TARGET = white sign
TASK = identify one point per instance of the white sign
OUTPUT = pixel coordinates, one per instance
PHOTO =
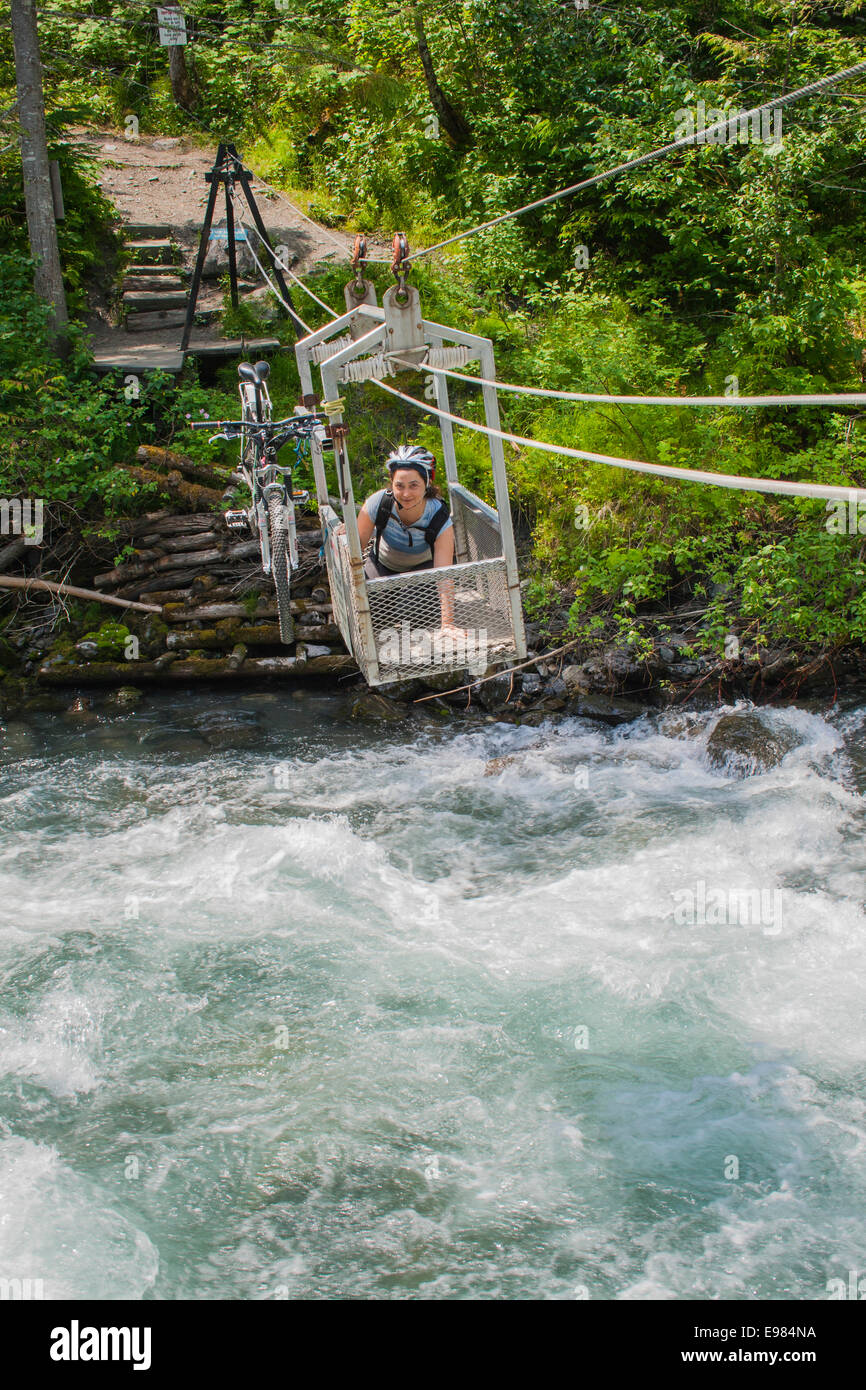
(172, 28)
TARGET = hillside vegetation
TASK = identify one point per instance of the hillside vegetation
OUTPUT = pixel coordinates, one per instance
(716, 270)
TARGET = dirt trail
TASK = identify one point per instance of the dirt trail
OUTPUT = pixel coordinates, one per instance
(158, 179)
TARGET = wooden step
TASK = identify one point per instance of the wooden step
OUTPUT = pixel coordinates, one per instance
(155, 300)
(233, 347)
(144, 323)
(144, 270)
(152, 252)
(149, 357)
(153, 284)
(148, 320)
(144, 231)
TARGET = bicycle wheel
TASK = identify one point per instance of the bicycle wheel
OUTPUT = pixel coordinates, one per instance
(280, 566)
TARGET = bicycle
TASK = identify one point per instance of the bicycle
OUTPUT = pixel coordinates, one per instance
(272, 514)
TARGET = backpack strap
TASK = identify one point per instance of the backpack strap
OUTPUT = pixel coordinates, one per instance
(436, 523)
(431, 530)
(383, 516)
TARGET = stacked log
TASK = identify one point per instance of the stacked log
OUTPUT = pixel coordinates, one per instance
(218, 615)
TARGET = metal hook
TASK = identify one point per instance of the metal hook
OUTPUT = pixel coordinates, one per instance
(400, 265)
(359, 263)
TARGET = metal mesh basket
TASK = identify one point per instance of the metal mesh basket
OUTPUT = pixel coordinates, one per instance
(408, 612)
(477, 535)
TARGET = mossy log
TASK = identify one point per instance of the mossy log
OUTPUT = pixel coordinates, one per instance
(194, 669)
(152, 564)
(192, 495)
(167, 523)
(155, 544)
(227, 593)
(214, 612)
(167, 460)
(261, 635)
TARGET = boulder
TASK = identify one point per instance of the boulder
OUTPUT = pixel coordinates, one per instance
(493, 694)
(373, 706)
(216, 261)
(742, 745)
(607, 708)
(229, 729)
(45, 704)
(124, 697)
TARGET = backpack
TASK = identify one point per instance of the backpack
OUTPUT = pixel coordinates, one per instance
(431, 530)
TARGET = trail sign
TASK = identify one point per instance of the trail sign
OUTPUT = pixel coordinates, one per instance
(172, 27)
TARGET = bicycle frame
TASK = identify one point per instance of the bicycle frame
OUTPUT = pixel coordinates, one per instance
(272, 513)
(262, 474)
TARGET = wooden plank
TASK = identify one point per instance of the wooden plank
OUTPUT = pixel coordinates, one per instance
(155, 299)
(145, 231)
(137, 270)
(233, 347)
(143, 323)
(155, 252)
(153, 284)
(149, 357)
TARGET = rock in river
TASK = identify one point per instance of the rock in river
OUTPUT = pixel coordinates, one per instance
(742, 745)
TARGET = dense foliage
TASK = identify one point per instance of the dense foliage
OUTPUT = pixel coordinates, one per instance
(736, 268)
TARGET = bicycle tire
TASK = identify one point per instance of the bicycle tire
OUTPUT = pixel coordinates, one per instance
(280, 567)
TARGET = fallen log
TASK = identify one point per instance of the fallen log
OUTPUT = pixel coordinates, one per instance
(167, 523)
(7, 581)
(167, 545)
(153, 587)
(193, 494)
(150, 565)
(12, 552)
(167, 460)
(195, 669)
(188, 594)
(259, 635)
(213, 612)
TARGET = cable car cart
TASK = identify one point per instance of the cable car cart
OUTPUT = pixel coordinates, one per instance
(426, 623)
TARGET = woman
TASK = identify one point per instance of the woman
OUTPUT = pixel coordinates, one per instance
(414, 530)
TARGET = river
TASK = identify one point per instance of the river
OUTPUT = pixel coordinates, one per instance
(447, 1012)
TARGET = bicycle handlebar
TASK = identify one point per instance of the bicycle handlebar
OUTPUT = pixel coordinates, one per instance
(294, 424)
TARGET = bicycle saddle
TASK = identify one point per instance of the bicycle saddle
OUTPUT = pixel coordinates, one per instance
(256, 374)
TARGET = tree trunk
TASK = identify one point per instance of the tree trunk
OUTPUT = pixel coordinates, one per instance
(455, 126)
(182, 88)
(38, 199)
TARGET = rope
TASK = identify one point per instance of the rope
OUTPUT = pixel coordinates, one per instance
(321, 352)
(367, 368)
(661, 470)
(849, 398)
(445, 357)
(271, 285)
(663, 150)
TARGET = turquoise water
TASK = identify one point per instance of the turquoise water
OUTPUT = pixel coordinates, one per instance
(346, 1013)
